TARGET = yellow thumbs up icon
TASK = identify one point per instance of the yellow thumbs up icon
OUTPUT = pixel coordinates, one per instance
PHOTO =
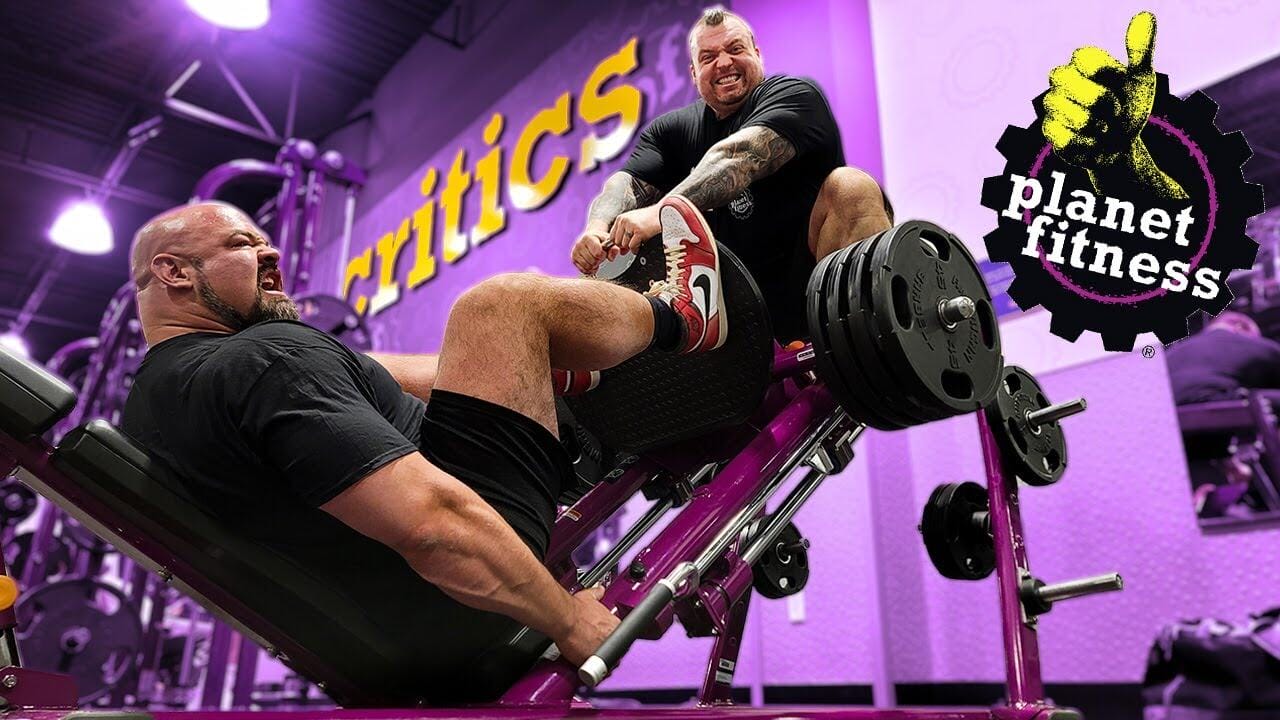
(1096, 108)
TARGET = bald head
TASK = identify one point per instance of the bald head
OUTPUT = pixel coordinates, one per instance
(178, 231)
(206, 267)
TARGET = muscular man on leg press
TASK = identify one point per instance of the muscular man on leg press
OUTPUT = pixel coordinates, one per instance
(452, 463)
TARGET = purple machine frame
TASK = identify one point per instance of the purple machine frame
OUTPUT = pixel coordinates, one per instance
(697, 568)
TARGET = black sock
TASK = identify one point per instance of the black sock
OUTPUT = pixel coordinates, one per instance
(667, 326)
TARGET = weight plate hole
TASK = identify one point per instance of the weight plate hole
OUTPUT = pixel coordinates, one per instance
(901, 302)
(1016, 434)
(1052, 461)
(957, 385)
(987, 325)
(935, 245)
(1012, 384)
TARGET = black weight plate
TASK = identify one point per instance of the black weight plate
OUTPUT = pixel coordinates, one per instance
(58, 559)
(880, 414)
(83, 628)
(1039, 456)
(882, 323)
(959, 548)
(872, 357)
(916, 269)
(17, 502)
(927, 412)
(783, 569)
(881, 398)
(819, 327)
(334, 316)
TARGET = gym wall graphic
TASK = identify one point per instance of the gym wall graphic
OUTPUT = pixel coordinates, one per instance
(1122, 208)
(511, 191)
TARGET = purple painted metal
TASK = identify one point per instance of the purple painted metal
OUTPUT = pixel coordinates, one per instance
(215, 677)
(24, 688)
(212, 183)
(245, 98)
(314, 199)
(717, 684)
(68, 352)
(1021, 646)
(712, 508)
(246, 672)
(597, 505)
(195, 112)
(789, 363)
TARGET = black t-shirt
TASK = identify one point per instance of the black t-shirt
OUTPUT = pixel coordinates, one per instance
(1216, 364)
(277, 416)
(767, 226)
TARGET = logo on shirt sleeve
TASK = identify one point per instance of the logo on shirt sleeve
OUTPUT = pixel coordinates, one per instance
(742, 206)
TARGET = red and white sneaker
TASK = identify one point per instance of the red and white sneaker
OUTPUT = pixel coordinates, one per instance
(692, 287)
(573, 382)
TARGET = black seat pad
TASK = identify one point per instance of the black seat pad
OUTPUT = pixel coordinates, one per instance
(32, 400)
(658, 398)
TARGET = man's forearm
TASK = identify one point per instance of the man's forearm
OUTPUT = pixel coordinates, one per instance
(621, 192)
(475, 557)
(415, 373)
(732, 164)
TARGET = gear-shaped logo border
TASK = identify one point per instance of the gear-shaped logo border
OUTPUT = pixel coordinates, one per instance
(1165, 314)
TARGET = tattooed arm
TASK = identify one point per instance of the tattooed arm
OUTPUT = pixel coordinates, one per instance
(621, 192)
(734, 163)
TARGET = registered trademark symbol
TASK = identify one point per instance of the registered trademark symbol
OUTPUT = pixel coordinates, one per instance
(1148, 352)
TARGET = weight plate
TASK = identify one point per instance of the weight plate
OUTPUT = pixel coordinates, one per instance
(58, 558)
(871, 356)
(336, 317)
(918, 267)
(783, 569)
(1038, 456)
(882, 324)
(816, 307)
(955, 533)
(17, 502)
(840, 306)
(83, 628)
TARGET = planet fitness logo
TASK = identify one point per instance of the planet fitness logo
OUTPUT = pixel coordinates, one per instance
(1122, 209)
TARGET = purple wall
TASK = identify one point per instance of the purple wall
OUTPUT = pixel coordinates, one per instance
(1124, 505)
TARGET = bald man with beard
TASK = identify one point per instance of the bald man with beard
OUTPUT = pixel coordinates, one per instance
(422, 486)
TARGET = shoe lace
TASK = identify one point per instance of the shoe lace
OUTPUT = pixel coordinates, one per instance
(670, 284)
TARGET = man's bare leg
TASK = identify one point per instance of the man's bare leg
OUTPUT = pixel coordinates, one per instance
(504, 335)
(850, 208)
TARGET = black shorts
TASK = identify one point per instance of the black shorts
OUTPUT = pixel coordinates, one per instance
(511, 461)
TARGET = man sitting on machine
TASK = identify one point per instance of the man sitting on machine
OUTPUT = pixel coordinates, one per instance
(761, 156)
(1222, 362)
(279, 429)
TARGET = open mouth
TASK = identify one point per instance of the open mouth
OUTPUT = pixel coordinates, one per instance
(728, 80)
(272, 282)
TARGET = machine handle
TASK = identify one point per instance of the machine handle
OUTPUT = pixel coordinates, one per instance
(598, 666)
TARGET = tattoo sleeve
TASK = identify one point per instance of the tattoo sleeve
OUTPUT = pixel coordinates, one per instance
(621, 192)
(734, 163)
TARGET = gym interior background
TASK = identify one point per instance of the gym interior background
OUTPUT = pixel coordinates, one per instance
(483, 128)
